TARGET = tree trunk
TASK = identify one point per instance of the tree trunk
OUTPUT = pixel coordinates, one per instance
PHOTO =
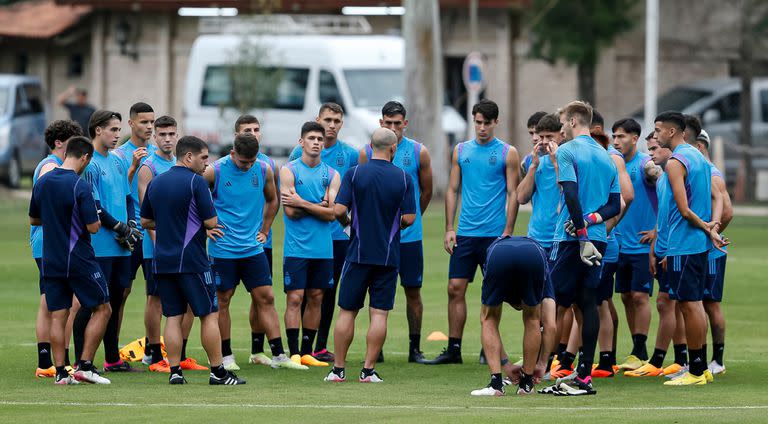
(745, 177)
(586, 80)
(424, 83)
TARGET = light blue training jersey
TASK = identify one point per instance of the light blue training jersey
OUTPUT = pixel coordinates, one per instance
(664, 194)
(341, 156)
(545, 198)
(585, 162)
(157, 165)
(238, 197)
(309, 237)
(109, 180)
(36, 231)
(612, 247)
(640, 216)
(125, 152)
(684, 238)
(271, 163)
(715, 253)
(483, 188)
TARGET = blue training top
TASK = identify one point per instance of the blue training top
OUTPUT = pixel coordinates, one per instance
(664, 194)
(35, 231)
(483, 188)
(276, 172)
(545, 198)
(125, 152)
(612, 247)
(109, 179)
(157, 165)
(308, 236)
(640, 216)
(715, 253)
(684, 238)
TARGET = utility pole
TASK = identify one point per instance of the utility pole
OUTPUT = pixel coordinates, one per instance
(745, 188)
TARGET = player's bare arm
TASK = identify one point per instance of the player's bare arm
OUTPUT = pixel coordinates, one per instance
(425, 179)
(451, 199)
(513, 177)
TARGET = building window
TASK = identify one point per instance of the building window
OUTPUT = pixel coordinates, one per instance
(75, 66)
(22, 63)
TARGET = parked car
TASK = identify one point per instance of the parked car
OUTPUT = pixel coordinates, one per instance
(23, 116)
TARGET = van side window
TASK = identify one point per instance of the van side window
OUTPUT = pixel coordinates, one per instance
(328, 90)
(21, 107)
(728, 107)
(34, 98)
(764, 104)
(290, 91)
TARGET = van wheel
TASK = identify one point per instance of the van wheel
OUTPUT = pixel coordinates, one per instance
(14, 172)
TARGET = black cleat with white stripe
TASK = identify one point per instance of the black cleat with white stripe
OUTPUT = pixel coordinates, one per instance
(229, 379)
(176, 379)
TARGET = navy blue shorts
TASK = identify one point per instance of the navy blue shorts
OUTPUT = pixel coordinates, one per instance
(149, 278)
(516, 274)
(116, 270)
(39, 262)
(340, 248)
(137, 259)
(253, 271)
(179, 290)
(468, 254)
(91, 290)
(268, 253)
(569, 274)
(605, 289)
(411, 264)
(662, 277)
(634, 274)
(715, 279)
(380, 282)
(304, 274)
(687, 276)
(549, 289)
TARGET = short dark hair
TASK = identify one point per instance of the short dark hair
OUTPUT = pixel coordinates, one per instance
(101, 119)
(649, 136)
(392, 108)
(675, 118)
(333, 107)
(165, 121)
(597, 119)
(78, 146)
(488, 108)
(189, 144)
(693, 124)
(61, 130)
(310, 126)
(81, 91)
(629, 125)
(581, 111)
(534, 119)
(246, 145)
(245, 119)
(138, 108)
(549, 123)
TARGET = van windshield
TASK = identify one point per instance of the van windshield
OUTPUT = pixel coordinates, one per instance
(254, 87)
(3, 100)
(372, 88)
(677, 99)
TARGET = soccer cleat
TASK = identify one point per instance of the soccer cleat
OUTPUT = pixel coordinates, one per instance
(416, 356)
(229, 363)
(547, 376)
(688, 379)
(601, 373)
(70, 370)
(296, 359)
(229, 379)
(555, 363)
(646, 370)
(506, 381)
(631, 363)
(64, 381)
(716, 368)
(708, 376)
(577, 387)
(445, 357)
(683, 370)
(568, 378)
(560, 372)
(549, 390)
(259, 359)
(525, 389)
(90, 376)
(370, 378)
(176, 379)
(161, 366)
(310, 361)
(282, 361)
(119, 366)
(45, 372)
(672, 369)
(487, 391)
(324, 356)
(336, 378)
(192, 365)
(146, 359)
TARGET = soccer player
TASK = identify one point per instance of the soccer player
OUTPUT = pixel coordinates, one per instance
(118, 234)
(308, 189)
(487, 171)
(591, 196)
(690, 233)
(63, 205)
(713, 293)
(379, 196)
(341, 157)
(178, 206)
(539, 186)
(633, 278)
(516, 272)
(243, 190)
(413, 158)
(56, 136)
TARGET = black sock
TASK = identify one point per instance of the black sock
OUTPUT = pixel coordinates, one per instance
(66, 357)
(44, 355)
(717, 352)
(147, 347)
(526, 381)
(292, 337)
(496, 381)
(257, 343)
(219, 371)
(657, 360)
(338, 371)
(176, 370)
(184, 349)
(561, 347)
(613, 356)
(415, 342)
(681, 354)
(226, 347)
(566, 360)
(276, 345)
(367, 371)
(638, 346)
(61, 372)
(78, 331)
(111, 348)
(85, 365)
(549, 361)
(697, 360)
(605, 361)
(156, 352)
(327, 308)
(307, 340)
(454, 345)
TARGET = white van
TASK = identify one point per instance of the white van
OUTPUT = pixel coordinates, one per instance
(359, 72)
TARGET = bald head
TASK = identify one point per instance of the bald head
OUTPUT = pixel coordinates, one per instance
(383, 139)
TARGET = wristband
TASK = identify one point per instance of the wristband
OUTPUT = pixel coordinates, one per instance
(593, 218)
(582, 234)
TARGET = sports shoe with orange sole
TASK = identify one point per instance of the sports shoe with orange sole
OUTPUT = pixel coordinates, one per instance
(673, 369)
(559, 372)
(647, 370)
(599, 373)
(45, 372)
(161, 366)
(310, 361)
(191, 364)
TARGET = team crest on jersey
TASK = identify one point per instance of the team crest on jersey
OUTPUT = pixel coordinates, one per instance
(324, 179)
(407, 161)
(493, 159)
(255, 180)
(340, 160)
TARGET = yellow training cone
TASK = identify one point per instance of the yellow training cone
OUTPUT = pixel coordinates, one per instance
(436, 336)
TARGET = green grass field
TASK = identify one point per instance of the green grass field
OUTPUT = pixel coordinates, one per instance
(411, 392)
